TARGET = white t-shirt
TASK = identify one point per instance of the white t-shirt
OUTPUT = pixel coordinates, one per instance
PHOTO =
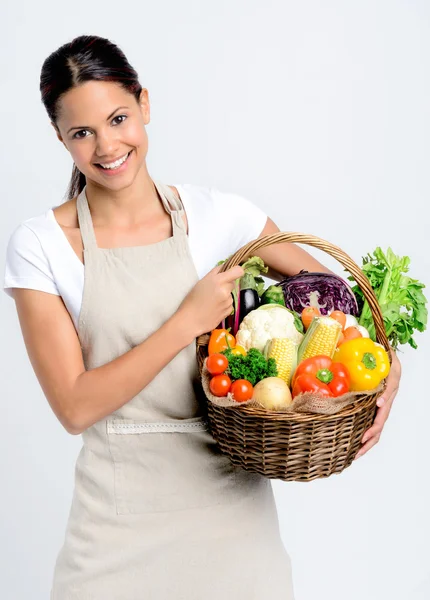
(40, 257)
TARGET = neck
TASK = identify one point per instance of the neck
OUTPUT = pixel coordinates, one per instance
(127, 206)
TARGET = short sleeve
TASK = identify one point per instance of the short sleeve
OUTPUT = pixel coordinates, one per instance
(26, 263)
(242, 220)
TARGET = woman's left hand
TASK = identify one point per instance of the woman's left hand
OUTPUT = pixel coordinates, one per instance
(384, 403)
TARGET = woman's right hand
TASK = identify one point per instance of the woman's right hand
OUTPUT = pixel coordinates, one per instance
(210, 301)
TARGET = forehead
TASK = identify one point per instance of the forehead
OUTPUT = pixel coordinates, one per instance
(92, 102)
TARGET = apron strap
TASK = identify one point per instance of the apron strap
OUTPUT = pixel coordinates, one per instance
(85, 221)
(170, 200)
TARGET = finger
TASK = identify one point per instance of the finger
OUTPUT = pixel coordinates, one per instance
(372, 442)
(379, 422)
(233, 274)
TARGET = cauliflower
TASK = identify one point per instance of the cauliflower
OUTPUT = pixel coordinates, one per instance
(265, 323)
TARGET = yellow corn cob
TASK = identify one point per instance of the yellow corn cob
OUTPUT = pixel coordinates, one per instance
(321, 338)
(284, 351)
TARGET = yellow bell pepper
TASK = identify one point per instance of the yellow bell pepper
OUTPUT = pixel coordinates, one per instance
(368, 363)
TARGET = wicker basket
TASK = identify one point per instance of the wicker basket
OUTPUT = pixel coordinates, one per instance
(294, 446)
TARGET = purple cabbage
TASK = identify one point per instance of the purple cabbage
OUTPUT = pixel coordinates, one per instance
(322, 290)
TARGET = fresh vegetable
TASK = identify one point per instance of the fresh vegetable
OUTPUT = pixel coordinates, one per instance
(309, 383)
(363, 331)
(241, 390)
(339, 316)
(324, 291)
(216, 364)
(273, 295)
(308, 315)
(253, 367)
(323, 372)
(368, 363)
(249, 299)
(402, 301)
(219, 340)
(351, 333)
(220, 385)
(272, 393)
(264, 323)
(351, 321)
(284, 351)
(238, 350)
(253, 267)
(321, 338)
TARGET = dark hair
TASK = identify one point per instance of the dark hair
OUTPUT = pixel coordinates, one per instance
(86, 58)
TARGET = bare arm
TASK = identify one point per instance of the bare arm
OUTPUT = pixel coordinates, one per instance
(286, 259)
(80, 398)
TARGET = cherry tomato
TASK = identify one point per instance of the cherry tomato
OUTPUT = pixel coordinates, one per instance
(216, 364)
(241, 390)
(351, 333)
(220, 385)
(308, 315)
(340, 317)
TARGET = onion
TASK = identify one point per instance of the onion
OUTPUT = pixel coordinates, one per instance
(363, 331)
(351, 321)
(273, 393)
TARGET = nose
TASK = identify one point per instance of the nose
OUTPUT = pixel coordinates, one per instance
(107, 145)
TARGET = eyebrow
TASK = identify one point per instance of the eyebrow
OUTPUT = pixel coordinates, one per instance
(109, 117)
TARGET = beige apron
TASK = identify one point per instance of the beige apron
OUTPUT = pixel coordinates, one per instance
(158, 513)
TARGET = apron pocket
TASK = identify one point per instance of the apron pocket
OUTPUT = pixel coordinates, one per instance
(168, 466)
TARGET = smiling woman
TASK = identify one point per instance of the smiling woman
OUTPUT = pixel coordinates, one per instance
(112, 288)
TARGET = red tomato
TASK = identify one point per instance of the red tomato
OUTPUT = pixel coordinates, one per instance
(220, 385)
(308, 315)
(216, 364)
(340, 317)
(241, 390)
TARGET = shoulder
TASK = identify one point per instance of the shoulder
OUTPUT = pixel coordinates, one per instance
(27, 255)
(31, 231)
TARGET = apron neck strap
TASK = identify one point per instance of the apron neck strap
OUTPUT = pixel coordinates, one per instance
(173, 206)
(85, 221)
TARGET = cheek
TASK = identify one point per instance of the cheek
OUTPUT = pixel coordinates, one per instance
(135, 135)
(82, 154)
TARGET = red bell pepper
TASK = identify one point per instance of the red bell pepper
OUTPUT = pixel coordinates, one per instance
(322, 376)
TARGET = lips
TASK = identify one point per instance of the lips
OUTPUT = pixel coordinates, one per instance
(110, 162)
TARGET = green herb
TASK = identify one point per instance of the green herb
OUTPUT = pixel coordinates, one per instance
(252, 367)
(402, 301)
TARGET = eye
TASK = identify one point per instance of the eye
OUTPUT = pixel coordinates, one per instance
(120, 117)
(76, 136)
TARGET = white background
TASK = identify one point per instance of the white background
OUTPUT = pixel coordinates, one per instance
(319, 113)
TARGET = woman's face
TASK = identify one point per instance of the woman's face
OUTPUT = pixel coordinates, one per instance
(101, 124)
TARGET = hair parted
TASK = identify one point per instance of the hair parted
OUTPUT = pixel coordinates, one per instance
(85, 58)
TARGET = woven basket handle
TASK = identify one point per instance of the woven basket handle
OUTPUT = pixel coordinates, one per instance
(277, 238)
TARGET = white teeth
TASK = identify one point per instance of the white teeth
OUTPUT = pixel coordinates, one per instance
(115, 164)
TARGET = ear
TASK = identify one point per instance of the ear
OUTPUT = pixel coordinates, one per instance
(57, 131)
(144, 106)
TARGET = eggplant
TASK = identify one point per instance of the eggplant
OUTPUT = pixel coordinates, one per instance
(249, 299)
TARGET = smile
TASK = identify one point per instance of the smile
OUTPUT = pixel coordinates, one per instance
(114, 166)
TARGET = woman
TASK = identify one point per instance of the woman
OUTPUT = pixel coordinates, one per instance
(112, 288)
